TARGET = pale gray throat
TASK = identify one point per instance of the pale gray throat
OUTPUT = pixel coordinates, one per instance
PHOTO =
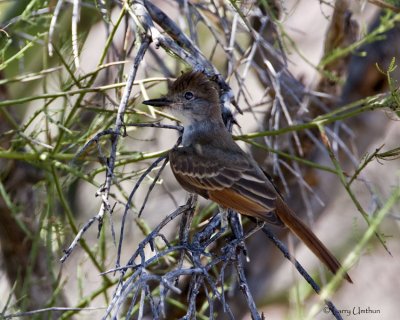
(199, 130)
(189, 135)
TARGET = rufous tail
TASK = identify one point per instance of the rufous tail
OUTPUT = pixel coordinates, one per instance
(304, 233)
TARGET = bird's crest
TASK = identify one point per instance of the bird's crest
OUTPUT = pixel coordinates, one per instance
(198, 82)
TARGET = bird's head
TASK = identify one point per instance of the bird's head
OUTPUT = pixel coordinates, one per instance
(191, 98)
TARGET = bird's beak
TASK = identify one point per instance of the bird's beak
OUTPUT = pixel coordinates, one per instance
(161, 102)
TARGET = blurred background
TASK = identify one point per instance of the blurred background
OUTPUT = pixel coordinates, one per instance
(317, 84)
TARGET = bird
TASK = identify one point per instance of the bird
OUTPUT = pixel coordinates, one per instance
(210, 163)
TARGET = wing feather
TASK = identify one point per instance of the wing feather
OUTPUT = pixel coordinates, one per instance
(235, 182)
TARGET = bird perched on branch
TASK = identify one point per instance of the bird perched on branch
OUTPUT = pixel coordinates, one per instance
(212, 165)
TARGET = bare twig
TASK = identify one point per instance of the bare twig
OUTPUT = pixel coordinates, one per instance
(128, 203)
(74, 24)
(301, 270)
(105, 191)
(53, 22)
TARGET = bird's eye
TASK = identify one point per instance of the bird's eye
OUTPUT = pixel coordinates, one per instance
(188, 95)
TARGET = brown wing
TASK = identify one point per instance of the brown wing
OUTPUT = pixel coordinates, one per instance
(230, 179)
(236, 182)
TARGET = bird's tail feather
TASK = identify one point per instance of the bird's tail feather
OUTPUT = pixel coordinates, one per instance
(304, 233)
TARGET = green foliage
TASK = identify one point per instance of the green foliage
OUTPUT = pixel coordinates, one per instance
(51, 113)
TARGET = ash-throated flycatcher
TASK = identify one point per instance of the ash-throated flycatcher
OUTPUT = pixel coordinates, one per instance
(212, 165)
